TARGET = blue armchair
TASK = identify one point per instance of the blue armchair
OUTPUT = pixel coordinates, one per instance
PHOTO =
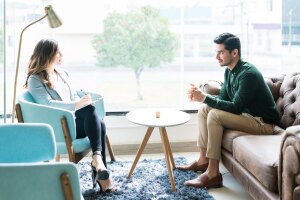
(63, 124)
(26, 143)
(24, 175)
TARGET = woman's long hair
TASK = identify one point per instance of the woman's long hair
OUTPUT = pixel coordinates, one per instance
(43, 53)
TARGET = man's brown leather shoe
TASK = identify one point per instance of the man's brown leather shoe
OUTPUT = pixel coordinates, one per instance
(193, 166)
(203, 181)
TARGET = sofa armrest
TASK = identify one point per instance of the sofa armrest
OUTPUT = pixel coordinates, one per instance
(211, 87)
(289, 164)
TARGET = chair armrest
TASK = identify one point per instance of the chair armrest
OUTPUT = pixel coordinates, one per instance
(211, 87)
(49, 115)
(289, 164)
(94, 95)
(99, 103)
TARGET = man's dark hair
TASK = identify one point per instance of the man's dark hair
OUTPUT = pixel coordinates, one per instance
(230, 42)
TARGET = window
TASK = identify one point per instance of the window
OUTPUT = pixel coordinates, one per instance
(265, 28)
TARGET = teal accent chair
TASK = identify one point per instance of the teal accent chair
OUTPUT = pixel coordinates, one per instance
(23, 172)
(63, 124)
(26, 143)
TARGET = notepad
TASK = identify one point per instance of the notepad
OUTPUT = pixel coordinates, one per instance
(92, 103)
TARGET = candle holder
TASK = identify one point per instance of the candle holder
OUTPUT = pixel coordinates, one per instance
(157, 114)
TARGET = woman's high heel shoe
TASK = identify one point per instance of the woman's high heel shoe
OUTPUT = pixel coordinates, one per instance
(101, 175)
(111, 188)
(94, 176)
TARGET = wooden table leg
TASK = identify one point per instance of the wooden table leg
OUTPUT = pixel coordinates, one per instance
(169, 148)
(162, 131)
(140, 151)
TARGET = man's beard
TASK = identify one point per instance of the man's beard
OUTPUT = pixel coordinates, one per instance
(222, 64)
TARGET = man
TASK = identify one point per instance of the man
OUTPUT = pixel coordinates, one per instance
(245, 103)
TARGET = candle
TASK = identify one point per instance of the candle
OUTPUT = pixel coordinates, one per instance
(157, 114)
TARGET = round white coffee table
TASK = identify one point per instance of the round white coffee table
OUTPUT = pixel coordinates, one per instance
(161, 118)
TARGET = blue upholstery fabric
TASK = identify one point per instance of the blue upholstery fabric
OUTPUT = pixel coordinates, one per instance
(23, 174)
(36, 113)
(35, 181)
(26, 143)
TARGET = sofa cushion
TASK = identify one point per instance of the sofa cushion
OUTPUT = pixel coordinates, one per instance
(278, 130)
(260, 156)
(228, 136)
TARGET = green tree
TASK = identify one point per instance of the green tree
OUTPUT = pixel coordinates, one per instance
(137, 39)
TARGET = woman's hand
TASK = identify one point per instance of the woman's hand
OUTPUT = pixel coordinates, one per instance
(84, 101)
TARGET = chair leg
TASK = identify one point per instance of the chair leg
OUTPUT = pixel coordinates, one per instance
(66, 186)
(68, 140)
(80, 155)
(110, 150)
(57, 158)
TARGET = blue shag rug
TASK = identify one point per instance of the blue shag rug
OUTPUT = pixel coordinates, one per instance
(150, 180)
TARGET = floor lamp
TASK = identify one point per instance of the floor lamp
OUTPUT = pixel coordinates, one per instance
(54, 22)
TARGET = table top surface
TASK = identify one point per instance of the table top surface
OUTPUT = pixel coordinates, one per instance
(167, 117)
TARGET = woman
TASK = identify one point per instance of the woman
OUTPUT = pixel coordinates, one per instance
(49, 86)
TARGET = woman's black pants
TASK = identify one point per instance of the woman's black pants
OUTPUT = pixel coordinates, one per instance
(88, 124)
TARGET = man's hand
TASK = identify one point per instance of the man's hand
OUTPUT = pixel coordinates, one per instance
(195, 94)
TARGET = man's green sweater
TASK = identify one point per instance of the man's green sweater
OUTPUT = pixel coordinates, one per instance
(245, 91)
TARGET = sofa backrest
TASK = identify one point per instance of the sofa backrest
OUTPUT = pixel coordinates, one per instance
(274, 84)
(286, 93)
(285, 90)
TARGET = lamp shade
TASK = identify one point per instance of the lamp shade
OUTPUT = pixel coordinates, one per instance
(53, 19)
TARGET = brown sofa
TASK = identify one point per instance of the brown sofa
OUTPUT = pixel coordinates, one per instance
(268, 166)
